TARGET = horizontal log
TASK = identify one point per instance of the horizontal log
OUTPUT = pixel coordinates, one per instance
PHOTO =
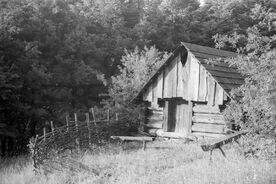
(211, 128)
(222, 141)
(155, 118)
(157, 124)
(155, 109)
(211, 135)
(131, 138)
(209, 115)
(206, 109)
(208, 119)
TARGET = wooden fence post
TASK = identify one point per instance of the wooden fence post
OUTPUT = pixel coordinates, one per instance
(44, 134)
(35, 156)
(52, 127)
(116, 116)
(88, 126)
(76, 120)
(77, 129)
(95, 123)
(108, 116)
(93, 115)
(67, 122)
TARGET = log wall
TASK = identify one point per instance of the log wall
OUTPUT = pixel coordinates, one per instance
(207, 121)
(154, 118)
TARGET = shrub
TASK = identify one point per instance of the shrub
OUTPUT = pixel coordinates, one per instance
(137, 67)
(253, 104)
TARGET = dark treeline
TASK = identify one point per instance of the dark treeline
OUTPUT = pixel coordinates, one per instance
(56, 55)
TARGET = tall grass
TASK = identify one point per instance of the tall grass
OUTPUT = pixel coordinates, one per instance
(162, 162)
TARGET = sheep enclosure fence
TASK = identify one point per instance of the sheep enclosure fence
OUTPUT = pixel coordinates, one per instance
(48, 148)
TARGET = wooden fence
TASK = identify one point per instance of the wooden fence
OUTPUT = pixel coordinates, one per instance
(73, 136)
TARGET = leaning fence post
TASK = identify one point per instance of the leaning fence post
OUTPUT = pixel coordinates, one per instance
(88, 126)
(52, 127)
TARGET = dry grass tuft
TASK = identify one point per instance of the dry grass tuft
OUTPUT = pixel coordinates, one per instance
(162, 162)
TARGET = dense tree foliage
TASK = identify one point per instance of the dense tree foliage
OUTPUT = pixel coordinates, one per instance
(53, 53)
(253, 106)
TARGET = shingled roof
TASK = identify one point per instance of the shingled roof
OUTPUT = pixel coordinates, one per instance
(228, 77)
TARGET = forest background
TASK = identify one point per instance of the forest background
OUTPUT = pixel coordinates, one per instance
(56, 56)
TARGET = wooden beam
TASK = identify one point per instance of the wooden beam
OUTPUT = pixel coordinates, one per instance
(161, 133)
(210, 135)
(222, 141)
(131, 138)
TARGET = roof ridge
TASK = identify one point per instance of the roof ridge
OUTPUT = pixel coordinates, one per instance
(185, 44)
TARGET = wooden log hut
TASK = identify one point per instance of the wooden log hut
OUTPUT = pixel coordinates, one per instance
(187, 95)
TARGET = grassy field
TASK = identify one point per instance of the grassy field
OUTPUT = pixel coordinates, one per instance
(163, 162)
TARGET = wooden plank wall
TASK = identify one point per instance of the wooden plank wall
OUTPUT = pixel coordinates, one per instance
(190, 81)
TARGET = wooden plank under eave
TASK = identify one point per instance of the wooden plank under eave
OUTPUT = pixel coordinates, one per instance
(173, 77)
(218, 95)
(145, 94)
(208, 128)
(154, 97)
(159, 87)
(202, 84)
(207, 86)
(224, 96)
(186, 77)
(194, 79)
(149, 94)
(180, 79)
(211, 91)
(170, 80)
(166, 83)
